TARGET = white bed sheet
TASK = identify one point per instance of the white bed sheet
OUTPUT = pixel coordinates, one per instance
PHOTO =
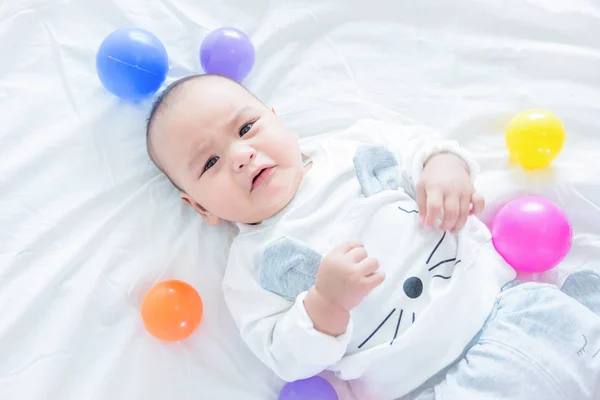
(87, 224)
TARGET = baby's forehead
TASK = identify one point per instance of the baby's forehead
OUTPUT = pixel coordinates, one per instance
(207, 87)
(200, 105)
(204, 100)
(211, 97)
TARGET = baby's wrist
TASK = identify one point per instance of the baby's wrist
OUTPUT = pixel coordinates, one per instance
(446, 159)
(327, 303)
(327, 316)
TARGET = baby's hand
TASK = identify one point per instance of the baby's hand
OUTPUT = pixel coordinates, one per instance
(347, 274)
(446, 185)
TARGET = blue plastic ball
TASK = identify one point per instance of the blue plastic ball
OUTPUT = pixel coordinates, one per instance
(132, 63)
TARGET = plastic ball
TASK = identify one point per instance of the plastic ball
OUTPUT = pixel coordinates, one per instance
(132, 63)
(171, 310)
(534, 138)
(227, 51)
(532, 234)
(315, 388)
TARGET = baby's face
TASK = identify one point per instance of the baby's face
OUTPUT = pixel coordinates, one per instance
(231, 155)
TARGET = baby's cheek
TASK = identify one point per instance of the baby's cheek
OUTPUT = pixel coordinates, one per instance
(217, 197)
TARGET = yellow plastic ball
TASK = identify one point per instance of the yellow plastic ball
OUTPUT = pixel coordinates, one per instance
(534, 138)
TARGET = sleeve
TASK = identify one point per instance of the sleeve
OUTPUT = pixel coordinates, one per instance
(413, 145)
(278, 331)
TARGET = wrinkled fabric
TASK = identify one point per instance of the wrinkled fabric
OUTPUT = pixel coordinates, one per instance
(539, 343)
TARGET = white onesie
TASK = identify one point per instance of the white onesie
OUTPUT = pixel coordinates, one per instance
(439, 287)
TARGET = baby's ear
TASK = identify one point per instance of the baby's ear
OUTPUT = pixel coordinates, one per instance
(209, 218)
(273, 109)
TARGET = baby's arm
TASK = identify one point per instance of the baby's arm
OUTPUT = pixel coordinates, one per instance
(280, 332)
(301, 338)
(446, 184)
(327, 317)
(437, 173)
(443, 174)
(346, 275)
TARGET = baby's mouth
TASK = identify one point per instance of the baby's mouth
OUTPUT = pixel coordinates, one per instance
(259, 174)
(260, 177)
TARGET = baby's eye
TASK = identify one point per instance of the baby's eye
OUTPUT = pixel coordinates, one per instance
(246, 128)
(210, 163)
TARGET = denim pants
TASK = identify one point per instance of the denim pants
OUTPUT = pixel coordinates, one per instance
(538, 343)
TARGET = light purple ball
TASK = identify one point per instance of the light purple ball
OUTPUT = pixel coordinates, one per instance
(532, 234)
(227, 51)
(315, 388)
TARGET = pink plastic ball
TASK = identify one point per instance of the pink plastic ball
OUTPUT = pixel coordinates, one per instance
(532, 234)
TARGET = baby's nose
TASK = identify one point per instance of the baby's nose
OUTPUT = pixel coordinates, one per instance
(242, 157)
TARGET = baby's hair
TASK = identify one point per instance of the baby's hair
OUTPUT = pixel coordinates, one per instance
(163, 101)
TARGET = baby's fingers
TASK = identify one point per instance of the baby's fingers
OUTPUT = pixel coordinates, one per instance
(465, 204)
(368, 266)
(478, 202)
(374, 280)
(434, 207)
(348, 246)
(357, 254)
(422, 202)
(451, 212)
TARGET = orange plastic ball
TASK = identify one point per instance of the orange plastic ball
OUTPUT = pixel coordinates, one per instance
(172, 310)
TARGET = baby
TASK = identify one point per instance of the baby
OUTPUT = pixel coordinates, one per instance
(356, 253)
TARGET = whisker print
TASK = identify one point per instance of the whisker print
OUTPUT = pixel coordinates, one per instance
(408, 211)
(594, 356)
(442, 262)
(435, 248)
(457, 262)
(414, 317)
(582, 350)
(442, 276)
(376, 329)
(397, 327)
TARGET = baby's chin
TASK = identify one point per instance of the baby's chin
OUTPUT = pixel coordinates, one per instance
(267, 212)
(275, 205)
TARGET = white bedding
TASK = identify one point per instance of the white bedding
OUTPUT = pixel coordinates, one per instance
(87, 224)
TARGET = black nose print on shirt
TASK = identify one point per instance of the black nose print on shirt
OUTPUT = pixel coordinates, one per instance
(413, 287)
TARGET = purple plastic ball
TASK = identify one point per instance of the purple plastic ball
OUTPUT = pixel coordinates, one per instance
(315, 388)
(227, 51)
